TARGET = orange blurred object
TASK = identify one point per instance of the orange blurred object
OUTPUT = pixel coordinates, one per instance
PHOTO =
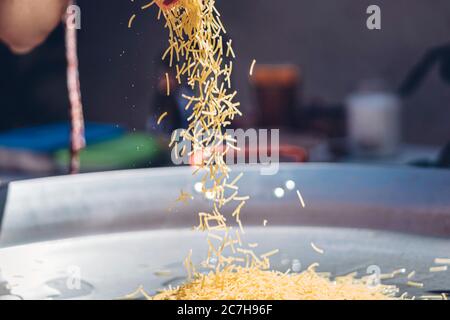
(276, 75)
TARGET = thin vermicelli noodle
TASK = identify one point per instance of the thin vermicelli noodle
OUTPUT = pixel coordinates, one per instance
(442, 261)
(161, 117)
(252, 67)
(415, 284)
(167, 84)
(317, 249)
(130, 22)
(438, 269)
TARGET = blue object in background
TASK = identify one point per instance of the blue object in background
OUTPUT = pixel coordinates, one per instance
(50, 138)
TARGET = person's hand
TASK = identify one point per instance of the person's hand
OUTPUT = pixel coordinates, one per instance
(167, 4)
(25, 24)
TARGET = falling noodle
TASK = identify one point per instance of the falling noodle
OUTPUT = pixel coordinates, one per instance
(161, 118)
(317, 249)
(442, 261)
(438, 269)
(252, 67)
(300, 197)
(167, 84)
(130, 22)
(415, 284)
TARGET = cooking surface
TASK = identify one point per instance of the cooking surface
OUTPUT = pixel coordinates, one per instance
(114, 265)
(374, 197)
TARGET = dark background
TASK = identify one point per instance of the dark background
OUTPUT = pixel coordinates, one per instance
(328, 39)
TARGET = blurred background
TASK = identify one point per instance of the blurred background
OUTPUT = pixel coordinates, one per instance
(339, 91)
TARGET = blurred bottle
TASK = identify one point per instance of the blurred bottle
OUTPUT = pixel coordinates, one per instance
(374, 124)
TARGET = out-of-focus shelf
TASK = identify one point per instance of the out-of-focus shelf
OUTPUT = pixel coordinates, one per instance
(321, 149)
(405, 155)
